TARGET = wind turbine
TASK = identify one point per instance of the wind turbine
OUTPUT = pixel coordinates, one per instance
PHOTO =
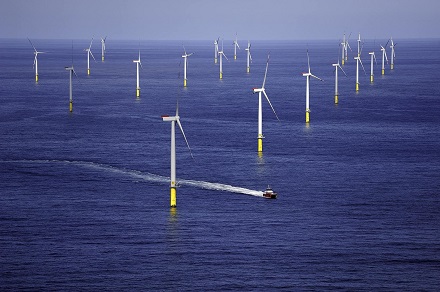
(35, 60)
(358, 60)
(260, 109)
(89, 52)
(138, 62)
(71, 72)
(307, 75)
(174, 119)
(103, 48)
(343, 50)
(220, 53)
(216, 49)
(249, 57)
(235, 47)
(393, 54)
(185, 65)
(384, 56)
(337, 65)
(373, 56)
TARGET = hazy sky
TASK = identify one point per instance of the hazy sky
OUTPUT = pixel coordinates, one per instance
(209, 19)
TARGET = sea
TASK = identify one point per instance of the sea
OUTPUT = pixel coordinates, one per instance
(85, 196)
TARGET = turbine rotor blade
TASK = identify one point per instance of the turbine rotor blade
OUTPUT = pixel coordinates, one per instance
(92, 55)
(264, 91)
(91, 43)
(265, 73)
(183, 133)
(362, 66)
(342, 70)
(308, 60)
(32, 45)
(316, 77)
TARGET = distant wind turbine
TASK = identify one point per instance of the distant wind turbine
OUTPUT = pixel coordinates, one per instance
(71, 72)
(185, 65)
(249, 58)
(89, 52)
(373, 56)
(337, 65)
(235, 47)
(174, 119)
(35, 60)
(308, 75)
(384, 56)
(103, 48)
(260, 109)
(138, 62)
(216, 49)
(221, 54)
(393, 53)
(358, 60)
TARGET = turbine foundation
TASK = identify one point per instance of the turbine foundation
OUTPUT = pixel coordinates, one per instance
(221, 75)
(88, 71)
(138, 92)
(357, 86)
(383, 71)
(36, 78)
(392, 66)
(336, 99)
(184, 82)
(173, 197)
(260, 144)
(307, 115)
(70, 106)
(248, 69)
(371, 78)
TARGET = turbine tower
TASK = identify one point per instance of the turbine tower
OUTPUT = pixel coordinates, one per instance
(185, 65)
(138, 62)
(358, 60)
(174, 119)
(249, 58)
(308, 75)
(89, 52)
(260, 109)
(35, 60)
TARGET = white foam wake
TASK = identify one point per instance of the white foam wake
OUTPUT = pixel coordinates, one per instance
(146, 176)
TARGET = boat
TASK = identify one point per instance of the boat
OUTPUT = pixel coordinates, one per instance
(269, 193)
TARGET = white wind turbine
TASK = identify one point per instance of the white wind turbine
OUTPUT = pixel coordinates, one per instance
(373, 56)
(138, 62)
(260, 109)
(393, 53)
(358, 60)
(185, 65)
(35, 60)
(307, 75)
(216, 49)
(249, 58)
(384, 56)
(103, 48)
(174, 119)
(337, 65)
(71, 72)
(343, 44)
(235, 47)
(221, 54)
(89, 52)
(346, 47)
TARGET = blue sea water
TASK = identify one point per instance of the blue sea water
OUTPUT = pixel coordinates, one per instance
(84, 196)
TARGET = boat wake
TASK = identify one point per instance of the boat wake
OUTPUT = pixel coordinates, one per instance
(146, 176)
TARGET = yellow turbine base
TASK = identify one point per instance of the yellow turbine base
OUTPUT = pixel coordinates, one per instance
(357, 86)
(221, 75)
(371, 78)
(70, 106)
(184, 82)
(392, 66)
(343, 61)
(102, 58)
(307, 116)
(88, 71)
(260, 144)
(36, 78)
(138, 92)
(336, 99)
(173, 197)
(248, 69)
(383, 71)
(235, 57)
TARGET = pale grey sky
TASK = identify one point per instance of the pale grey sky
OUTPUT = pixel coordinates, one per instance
(209, 19)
